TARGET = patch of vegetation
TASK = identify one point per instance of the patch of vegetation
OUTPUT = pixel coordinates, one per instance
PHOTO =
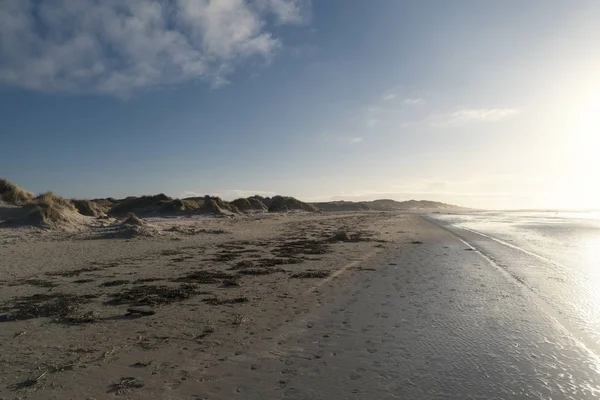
(215, 205)
(49, 210)
(282, 203)
(13, 194)
(89, 208)
(176, 205)
(132, 204)
(249, 204)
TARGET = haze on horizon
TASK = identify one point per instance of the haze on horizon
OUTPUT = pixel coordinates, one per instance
(475, 103)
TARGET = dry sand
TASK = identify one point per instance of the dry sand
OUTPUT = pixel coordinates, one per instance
(139, 309)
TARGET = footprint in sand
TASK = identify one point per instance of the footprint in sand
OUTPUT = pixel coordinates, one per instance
(354, 376)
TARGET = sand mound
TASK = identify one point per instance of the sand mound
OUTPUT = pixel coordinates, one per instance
(127, 228)
(52, 211)
(249, 204)
(139, 205)
(178, 205)
(89, 208)
(281, 203)
(214, 205)
(340, 236)
(133, 220)
(12, 194)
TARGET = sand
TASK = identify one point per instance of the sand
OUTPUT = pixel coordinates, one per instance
(84, 310)
(208, 308)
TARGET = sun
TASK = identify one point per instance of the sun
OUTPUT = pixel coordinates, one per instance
(577, 185)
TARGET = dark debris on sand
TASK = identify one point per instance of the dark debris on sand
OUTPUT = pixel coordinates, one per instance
(59, 306)
(260, 271)
(117, 282)
(205, 277)
(148, 295)
(265, 263)
(292, 249)
(125, 385)
(311, 274)
(217, 302)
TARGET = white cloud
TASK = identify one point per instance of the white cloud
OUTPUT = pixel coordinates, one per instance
(286, 12)
(472, 115)
(372, 122)
(355, 140)
(117, 47)
(413, 101)
(390, 96)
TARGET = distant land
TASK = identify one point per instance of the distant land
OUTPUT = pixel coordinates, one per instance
(386, 205)
(50, 209)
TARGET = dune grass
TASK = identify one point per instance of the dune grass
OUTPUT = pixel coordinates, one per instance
(283, 203)
(249, 204)
(180, 205)
(133, 204)
(48, 209)
(13, 194)
(89, 207)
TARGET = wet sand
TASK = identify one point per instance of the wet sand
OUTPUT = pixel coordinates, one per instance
(431, 321)
(413, 312)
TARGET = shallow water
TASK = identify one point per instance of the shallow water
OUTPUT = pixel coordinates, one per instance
(555, 254)
(447, 316)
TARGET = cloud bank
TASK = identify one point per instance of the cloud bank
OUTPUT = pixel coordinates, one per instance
(472, 115)
(118, 47)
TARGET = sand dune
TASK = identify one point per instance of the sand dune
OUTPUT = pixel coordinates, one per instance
(20, 207)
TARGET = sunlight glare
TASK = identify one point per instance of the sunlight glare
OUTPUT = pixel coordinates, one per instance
(580, 181)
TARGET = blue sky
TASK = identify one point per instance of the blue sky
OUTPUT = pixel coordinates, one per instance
(479, 103)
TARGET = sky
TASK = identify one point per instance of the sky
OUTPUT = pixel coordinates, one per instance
(487, 104)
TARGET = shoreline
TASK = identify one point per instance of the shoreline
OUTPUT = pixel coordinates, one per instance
(408, 312)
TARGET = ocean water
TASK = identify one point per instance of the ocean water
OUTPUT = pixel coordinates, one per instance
(553, 255)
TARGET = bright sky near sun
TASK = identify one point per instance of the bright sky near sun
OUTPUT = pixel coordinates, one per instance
(491, 104)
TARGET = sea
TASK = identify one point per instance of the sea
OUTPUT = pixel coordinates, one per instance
(553, 255)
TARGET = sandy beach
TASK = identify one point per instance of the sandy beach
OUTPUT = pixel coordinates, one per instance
(215, 288)
(270, 306)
